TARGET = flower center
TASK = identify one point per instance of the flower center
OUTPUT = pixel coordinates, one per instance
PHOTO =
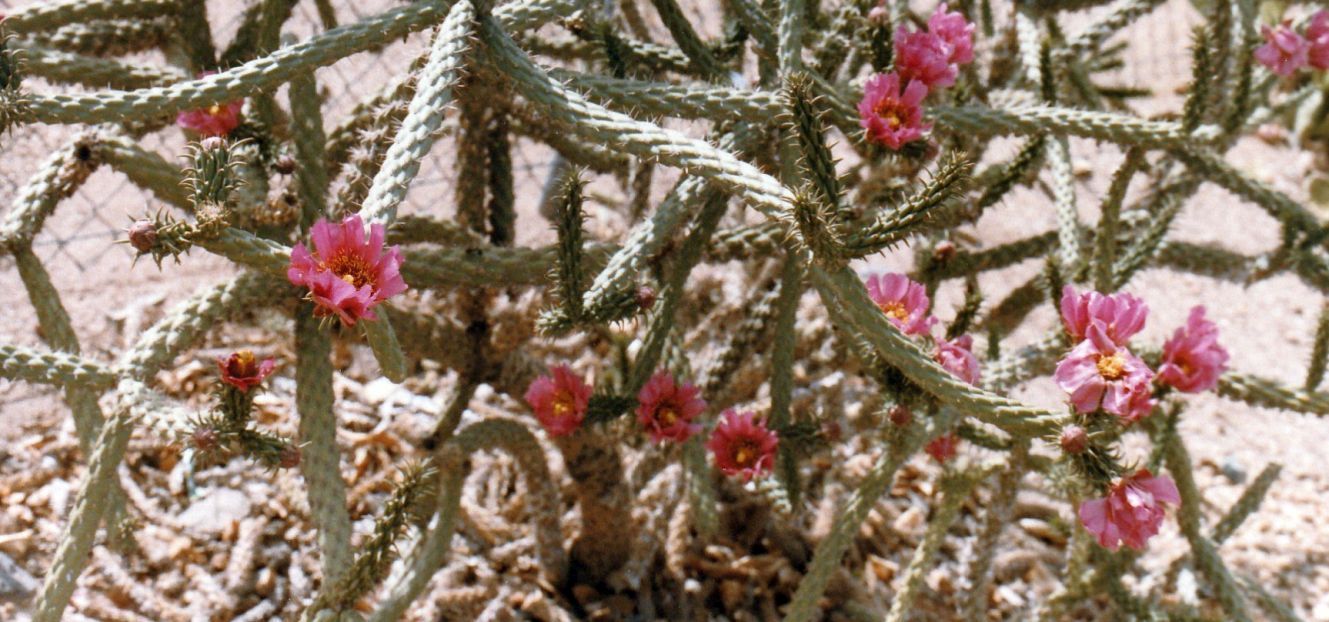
(1111, 366)
(215, 109)
(894, 309)
(351, 268)
(745, 454)
(563, 404)
(667, 416)
(244, 366)
(890, 113)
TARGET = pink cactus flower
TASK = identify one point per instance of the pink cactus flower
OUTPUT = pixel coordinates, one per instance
(942, 448)
(1284, 51)
(924, 57)
(904, 302)
(243, 371)
(743, 445)
(1132, 512)
(890, 117)
(215, 120)
(1099, 373)
(1138, 406)
(347, 274)
(957, 357)
(1193, 358)
(1122, 315)
(667, 409)
(956, 31)
(1317, 34)
(559, 400)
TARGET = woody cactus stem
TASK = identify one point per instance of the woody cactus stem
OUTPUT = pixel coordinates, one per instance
(263, 168)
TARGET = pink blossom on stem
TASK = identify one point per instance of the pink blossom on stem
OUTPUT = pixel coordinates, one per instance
(890, 117)
(347, 275)
(243, 370)
(942, 448)
(559, 400)
(1317, 34)
(957, 357)
(1132, 512)
(1099, 373)
(952, 28)
(924, 57)
(667, 409)
(904, 301)
(743, 445)
(1121, 314)
(1284, 51)
(215, 120)
(1193, 358)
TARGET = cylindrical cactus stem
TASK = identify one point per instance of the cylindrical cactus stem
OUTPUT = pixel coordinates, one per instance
(955, 489)
(54, 368)
(89, 507)
(146, 169)
(59, 177)
(110, 37)
(974, 606)
(60, 66)
(595, 464)
(321, 460)
(46, 16)
(311, 177)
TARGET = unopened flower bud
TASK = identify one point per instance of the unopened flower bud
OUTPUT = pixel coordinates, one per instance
(213, 143)
(204, 438)
(143, 235)
(879, 15)
(285, 164)
(900, 415)
(943, 251)
(290, 457)
(646, 297)
(1074, 440)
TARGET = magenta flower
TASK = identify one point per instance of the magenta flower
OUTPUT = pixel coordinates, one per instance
(1122, 315)
(942, 448)
(1317, 34)
(1132, 512)
(243, 371)
(1099, 373)
(743, 445)
(667, 409)
(1193, 358)
(924, 57)
(952, 28)
(904, 302)
(1284, 51)
(347, 274)
(890, 117)
(215, 120)
(559, 400)
(958, 358)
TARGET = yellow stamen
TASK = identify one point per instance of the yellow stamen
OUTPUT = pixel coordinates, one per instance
(667, 416)
(894, 309)
(1111, 366)
(743, 456)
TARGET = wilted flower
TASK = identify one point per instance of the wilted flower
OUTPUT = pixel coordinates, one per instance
(892, 118)
(1132, 511)
(1122, 315)
(942, 448)
(1193, 358)
(958, 358)
(243, 371)
(743, 445)
(347, 274)
(1284, 51)
(904, 302)
(1098, 373)
(667, 409)
(559, 400)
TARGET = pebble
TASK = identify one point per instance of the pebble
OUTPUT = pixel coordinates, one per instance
(215, 510)
(16, 584)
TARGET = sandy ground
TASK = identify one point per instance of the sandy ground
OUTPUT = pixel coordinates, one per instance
(1268, 327)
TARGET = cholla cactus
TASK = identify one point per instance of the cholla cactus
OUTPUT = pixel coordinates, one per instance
(911, 100)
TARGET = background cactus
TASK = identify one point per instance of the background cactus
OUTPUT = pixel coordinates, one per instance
(741, 278)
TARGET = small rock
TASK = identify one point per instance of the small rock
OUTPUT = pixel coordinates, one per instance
(16, 584)
(1233, 470)
(215, 510)
(910, 521)
(379, 390)
(1040, 529)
